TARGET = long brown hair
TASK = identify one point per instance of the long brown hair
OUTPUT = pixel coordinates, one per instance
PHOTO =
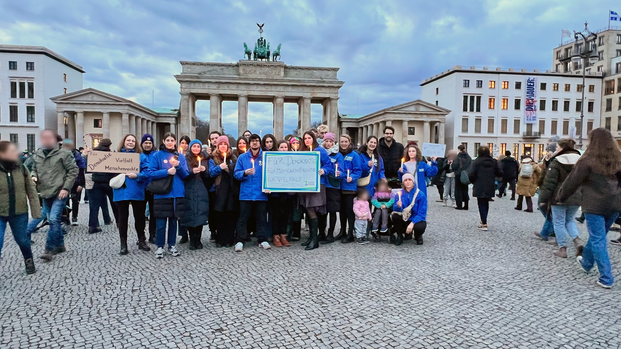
(603, 154)
(137, 148)
(303, 146)
(419, 156)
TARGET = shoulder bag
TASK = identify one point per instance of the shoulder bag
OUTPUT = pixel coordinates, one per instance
(161, 186)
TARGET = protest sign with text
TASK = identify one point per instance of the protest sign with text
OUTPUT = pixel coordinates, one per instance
(292, 172)
(109, 162)
(434, 149)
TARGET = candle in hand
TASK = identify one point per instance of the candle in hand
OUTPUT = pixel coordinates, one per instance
(336, 169)
(399, 193)
(225, 158)
(311, 148)
(402, 160)
(252, 160)
(199, 160)
(347, 173)
(180, 150)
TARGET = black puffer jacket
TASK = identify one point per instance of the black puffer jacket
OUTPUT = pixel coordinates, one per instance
(561, 166)
(510, 168)
(439, 178)
(463, 162)
(196, 203)
(601, 194)
(392, 157)
(227, 187)
(483, 175)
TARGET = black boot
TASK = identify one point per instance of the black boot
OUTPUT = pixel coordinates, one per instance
(322, 236)
(341, 235)
(329, 238)
(310, 238)
(349, 238)
(466, 206)
(142, 245)
(314, 237)
(124, 250)
(199, 244)
(192, 244)
(399, 239)
(297, 227)
(30, 267)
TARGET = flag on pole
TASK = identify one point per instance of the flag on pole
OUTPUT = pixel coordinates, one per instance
(614, 16)
(566, 33)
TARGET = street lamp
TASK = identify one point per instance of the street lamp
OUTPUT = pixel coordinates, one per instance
(586, 55)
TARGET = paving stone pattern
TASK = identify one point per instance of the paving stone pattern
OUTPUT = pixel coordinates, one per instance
(463, 288)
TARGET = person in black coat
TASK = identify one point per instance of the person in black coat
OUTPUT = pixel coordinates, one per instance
(101, 193)
(483, 175)
(221, 168)
(438, 179)
(196, 209)
(510, 168)
(462, 163)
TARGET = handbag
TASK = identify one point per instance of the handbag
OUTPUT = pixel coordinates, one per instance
(161, 186)
(464, 177)
(407, 212)
(364, 181)
(117, 181)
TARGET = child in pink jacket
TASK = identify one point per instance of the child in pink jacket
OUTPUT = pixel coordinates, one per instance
(363, 215)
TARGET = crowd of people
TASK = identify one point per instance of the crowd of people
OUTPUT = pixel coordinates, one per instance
(378, 188)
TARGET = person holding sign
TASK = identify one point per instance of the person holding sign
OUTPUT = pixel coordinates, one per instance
(226, 198)
(169, 206)
(101, 193)
(409, 212)
(333, 188)
(415, 165)
(282, 208)
(196, 202)
(249, 171)
(352, 167)
(372, 165)
(315, 203)
(132, 193)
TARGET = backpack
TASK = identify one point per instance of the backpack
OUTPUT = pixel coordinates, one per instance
(526, 171)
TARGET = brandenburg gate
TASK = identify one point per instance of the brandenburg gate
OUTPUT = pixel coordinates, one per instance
(258, 79)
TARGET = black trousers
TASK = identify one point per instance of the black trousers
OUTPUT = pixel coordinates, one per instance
(440, 190)
(503, 186)
(281, 210)
(213, 226)
(461, 193)
(98, 196)
(138, 208)
(75, 200)
(246, 209)
(483, 204)
(400, 227)
(347, 213)
(152, 223)
(226, 223)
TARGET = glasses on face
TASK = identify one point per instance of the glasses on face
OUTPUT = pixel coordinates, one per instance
(388, 133)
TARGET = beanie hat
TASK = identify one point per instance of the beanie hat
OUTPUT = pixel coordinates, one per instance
(146, 137)
(407, 176)
(551, 147)
(223, 139)
(329, 135)
(196, 141)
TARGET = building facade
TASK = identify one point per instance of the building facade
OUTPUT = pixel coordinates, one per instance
(29, 77)
(488, 107)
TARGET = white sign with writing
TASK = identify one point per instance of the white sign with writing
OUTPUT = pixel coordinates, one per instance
(293, 172)
(434, 149)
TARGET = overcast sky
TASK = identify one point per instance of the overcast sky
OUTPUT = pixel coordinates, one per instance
(384, 48)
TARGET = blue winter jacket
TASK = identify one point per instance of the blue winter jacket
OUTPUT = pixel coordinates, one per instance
(424, 170)
(250, 187)
(133, 189)
(352, 163)
(146, 158)
(376, 175)
(326, 164)
(419, 210)
(336, 158)
(158, 168)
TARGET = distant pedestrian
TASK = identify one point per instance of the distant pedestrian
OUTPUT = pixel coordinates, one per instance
(461, 164)
(528, 178)
(482, 175)
(449, 179)
(510, 169)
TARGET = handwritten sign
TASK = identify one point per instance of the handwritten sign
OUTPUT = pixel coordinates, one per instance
(291, 172)
(434, 149)
(109, 162)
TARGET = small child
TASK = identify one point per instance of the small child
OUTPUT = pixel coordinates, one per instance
(363, 215)
(382, 200)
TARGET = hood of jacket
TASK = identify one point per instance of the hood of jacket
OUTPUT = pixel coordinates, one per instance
(568, 159)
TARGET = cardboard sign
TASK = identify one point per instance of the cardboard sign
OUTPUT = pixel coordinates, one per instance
(434, 149)
(109, 162)
(291, 172)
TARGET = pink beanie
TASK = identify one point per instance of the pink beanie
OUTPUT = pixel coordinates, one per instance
(330, 135)
(407, 176)
(222, 139)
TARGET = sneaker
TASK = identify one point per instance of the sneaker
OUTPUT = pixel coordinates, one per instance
(74, 221)
(482, 227)
(604, 286)
(538, 235)
(159, 253)
(239, 247)
(579, 260)
(30, 267)
(173, 251)
(362, 241)
(384, 231)
(265, 245)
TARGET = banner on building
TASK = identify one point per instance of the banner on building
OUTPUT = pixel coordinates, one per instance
(530, 111)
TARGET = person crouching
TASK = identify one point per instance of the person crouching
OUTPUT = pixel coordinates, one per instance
(409, 212)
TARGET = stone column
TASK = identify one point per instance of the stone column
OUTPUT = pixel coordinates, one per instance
(60, 123)
(189, 128)
(143, 128)
(365, 132)
(148, 128)
(333, 117)
(154, 132)
(125, 124)
(305, 114)
(173, 128)
(106, 124)
(71, 126)
(214, 112)
(79, 127)
(242, 114)
(184, 113)
(404, 132)
(138, 124)
(426, 132)
(441, 133)
(361, 138)
(132, 124)
(279, 117)
(326, 114)
(382, 124)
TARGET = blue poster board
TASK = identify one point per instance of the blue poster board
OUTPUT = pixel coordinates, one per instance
(291, 172)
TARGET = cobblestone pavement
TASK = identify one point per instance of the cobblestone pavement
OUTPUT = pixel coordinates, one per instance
(462, 288)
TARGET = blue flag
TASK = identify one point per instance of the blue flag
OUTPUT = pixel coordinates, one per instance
(614, 16)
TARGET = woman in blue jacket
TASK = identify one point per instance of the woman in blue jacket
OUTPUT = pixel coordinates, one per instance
(168, 208)
(416, 166)
(132, 193)
(352, 168)
(196, 202)
(333, 188)
(409, 212)
(372, 164)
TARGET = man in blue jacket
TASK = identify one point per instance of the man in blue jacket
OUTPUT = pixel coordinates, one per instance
(249, 171)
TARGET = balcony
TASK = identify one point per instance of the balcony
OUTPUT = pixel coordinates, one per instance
(531, 135)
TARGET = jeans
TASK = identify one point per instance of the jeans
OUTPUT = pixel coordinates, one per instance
(98, 197)
(360, 227)
(18, 225)
(245, 210)
(380, 217)
(483, 204)
(596, 250)
(449, 188)
(548, 226)
(51, 208)
(160, 236)
(564, 223)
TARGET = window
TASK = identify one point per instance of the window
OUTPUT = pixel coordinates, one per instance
(529, 129)
(609, 87)
(600, 56)
(411, 130)
(22, 89)
(555, 105)
(30, 142)
(540, 150)
(516, 149)
(591, 88)
(503, 148)
(608, 120)
(471, 104)
(542, 127)
(30, 113)
(30, 89)
(578, 105)
(12, 65)
(477, 125)
(491, 147)
(518, 85)
(516, 126)
(618, 54)
(558, 54)
(565, 127)
(479, 83)
(590, 107)
(503, 126)
(13, 113)
(567, 87)
(491, 103)
(29, 65)
(490, 125)
(437, 90)
(13, 138)
(542, 105)
(464, 124)
(436, 102)
(589, 126)
(476, 146)
(542, 86)
(517, 104)
(466, 83)
(13, 89)
(505, 104)
(492, 84)
(465, 144)
(578, 128)
(554, 128)
(601, 41)
(64, 77)
(465, 103)
(505, 85)
(478, 106)
(565, 105)
(558, 67)
(579, 88)
(609, 104)
(618, 39)
(554, 87)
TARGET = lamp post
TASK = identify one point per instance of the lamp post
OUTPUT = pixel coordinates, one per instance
(586, 55)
